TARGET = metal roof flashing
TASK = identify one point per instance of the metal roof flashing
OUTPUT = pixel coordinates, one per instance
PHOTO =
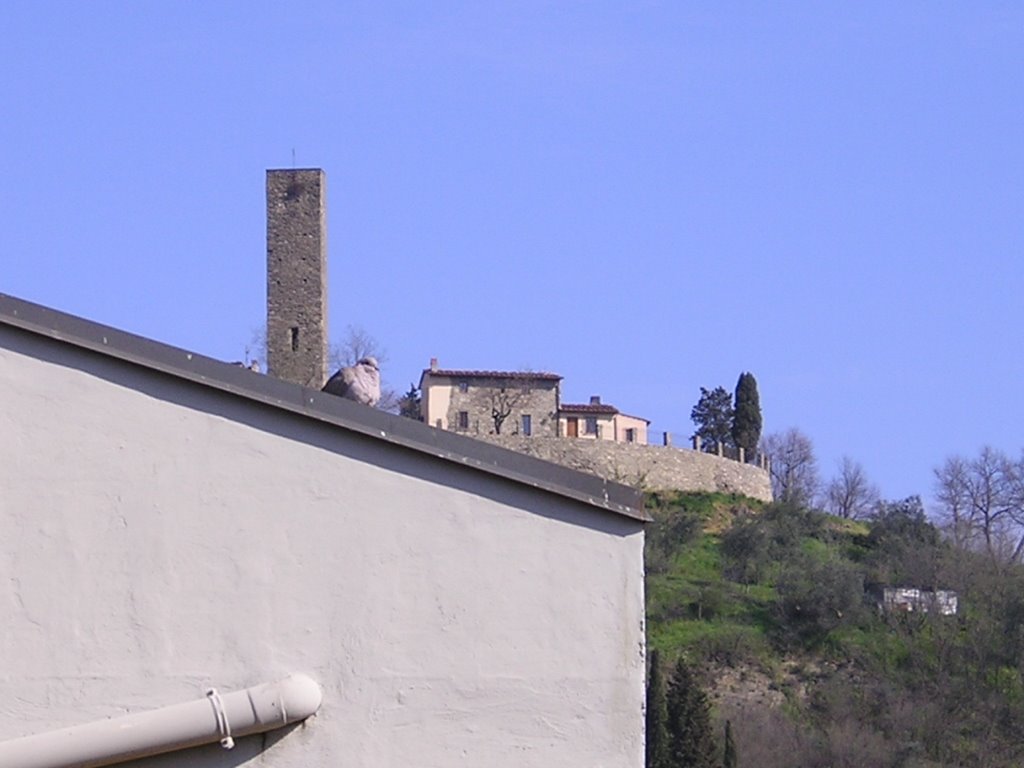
(266, 390)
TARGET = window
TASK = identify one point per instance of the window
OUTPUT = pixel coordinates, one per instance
(630, 435)
(463, 420)
(591, 427)
(527, 426)
(463, 386)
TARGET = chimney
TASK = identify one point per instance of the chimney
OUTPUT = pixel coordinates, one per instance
(595, 399)
(297, 276)
(433, 364)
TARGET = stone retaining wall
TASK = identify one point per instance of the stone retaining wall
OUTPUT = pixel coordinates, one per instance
(648, 467)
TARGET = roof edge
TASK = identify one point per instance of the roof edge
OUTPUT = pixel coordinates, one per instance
(264, 389)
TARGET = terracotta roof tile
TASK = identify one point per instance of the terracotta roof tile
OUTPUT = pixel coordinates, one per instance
(493, 374)
(588, 408)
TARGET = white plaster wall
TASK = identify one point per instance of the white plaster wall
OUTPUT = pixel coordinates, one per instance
(157, 538)
(624, 422)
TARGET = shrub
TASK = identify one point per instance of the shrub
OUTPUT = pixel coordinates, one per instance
(815, 596)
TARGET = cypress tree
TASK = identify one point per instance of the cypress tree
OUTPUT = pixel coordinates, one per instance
(657, 755)
(746, 420)
(691, 741)
(729, 758)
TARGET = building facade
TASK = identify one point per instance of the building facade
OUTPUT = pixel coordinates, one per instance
(490, 402)
(599, 421)
(518, 403)
(173, 524)
(943, 602)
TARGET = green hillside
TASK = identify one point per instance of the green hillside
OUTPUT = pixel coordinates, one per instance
(773, 605)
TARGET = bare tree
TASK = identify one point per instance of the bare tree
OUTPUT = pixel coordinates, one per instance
(850, 494)
(983, 503)
(951, 491)
(794, 468)
(503, 402)
(256, 349)
(356, 344)
(990, 503)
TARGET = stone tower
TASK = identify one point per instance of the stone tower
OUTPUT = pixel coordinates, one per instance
(297, 276)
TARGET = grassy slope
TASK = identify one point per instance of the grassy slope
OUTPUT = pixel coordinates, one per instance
(691, 607)
(859, 688)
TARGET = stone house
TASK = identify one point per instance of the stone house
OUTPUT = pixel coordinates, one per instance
(490, 402)
(518, 403)
(217, 553)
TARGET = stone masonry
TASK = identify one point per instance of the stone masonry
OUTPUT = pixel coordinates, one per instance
(647, 467)
(297, 276)
(524, 394)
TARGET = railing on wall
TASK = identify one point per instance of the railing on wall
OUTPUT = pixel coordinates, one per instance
(655, 437)
(683, 441)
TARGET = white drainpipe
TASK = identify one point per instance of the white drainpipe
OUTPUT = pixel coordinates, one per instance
(215, 718)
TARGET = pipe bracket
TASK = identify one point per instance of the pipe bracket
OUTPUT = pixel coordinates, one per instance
(222, 719)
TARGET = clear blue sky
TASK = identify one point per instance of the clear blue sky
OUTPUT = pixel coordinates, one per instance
(644, 197)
